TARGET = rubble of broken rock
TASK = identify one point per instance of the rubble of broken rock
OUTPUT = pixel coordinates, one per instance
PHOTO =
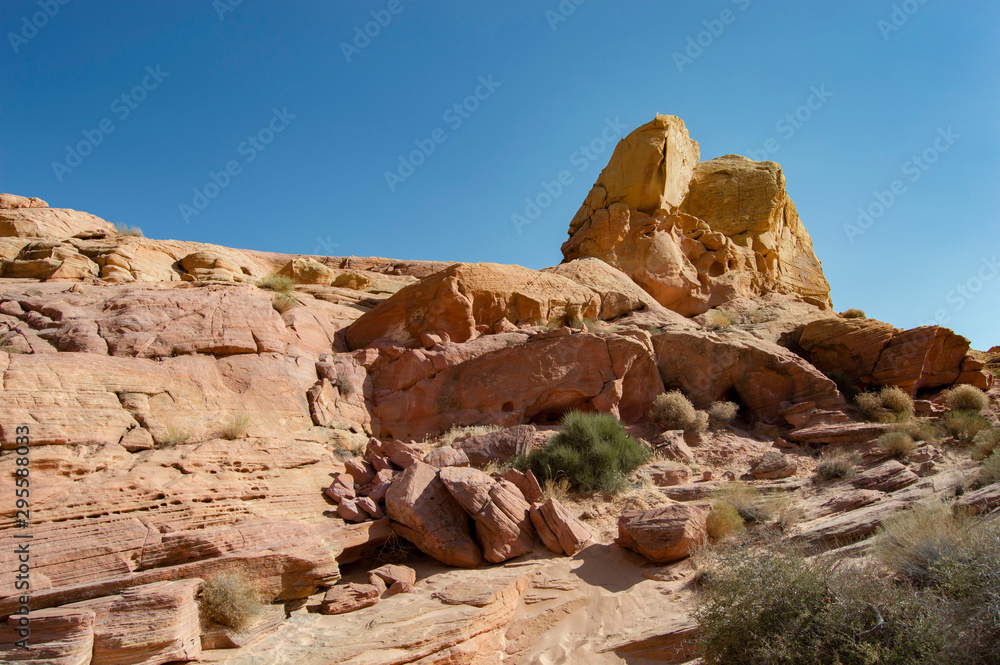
(343, 436)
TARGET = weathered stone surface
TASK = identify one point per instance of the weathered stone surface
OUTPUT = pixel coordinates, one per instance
(44, 222)
(425, 513)
(468, 299)
(888, 476)
(348, 598)
(391, 573)
(422, 392)
(500, 446)
(58, 636)
(308, 271)
(664, 534)
(267, 622)
(668, 473)
(764, 375)
(503, 523)
(146, 625)
(839, 433)
(212, 265)
(527, 483)
(10, 201)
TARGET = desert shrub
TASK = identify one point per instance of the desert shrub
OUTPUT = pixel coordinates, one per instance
(344, 385)
(746, 499)
(599, 327)
(672, 410)
(455, 433)
(966, 398)
(720, 414)
(717, 318)
(836, 463)
(989, 472)
(282, 302)
(985, 442)
(846, 383)
(897, 444)
(854, 313)
(395, 550)
(890, 404)
(965, 425)
(126, 230)
(914, 542)
(231, 600)
(920, 429)
(724, 521)
(592, 450)
(556, 489)
(773, 606)
(276, 282)
(235, 427)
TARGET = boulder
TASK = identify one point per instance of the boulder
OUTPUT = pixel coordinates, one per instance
(668, 473)
(561, 532)
(59, 636)
(446, 456)
(500, 446)
(45, 222)
(527, 483)
(391, 573)
(664, 534)
(308, 271)
(503, 522)
(348, 598)
(425, 513)
(773, 465)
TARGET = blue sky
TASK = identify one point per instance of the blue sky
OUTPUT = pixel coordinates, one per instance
(300, 131)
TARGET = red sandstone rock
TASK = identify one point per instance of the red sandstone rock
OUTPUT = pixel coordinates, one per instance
(664, 534)
(349, 598)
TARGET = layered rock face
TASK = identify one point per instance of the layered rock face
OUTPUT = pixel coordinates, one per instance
(695, 235)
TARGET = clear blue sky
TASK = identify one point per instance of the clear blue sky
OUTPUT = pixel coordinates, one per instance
(319, 184)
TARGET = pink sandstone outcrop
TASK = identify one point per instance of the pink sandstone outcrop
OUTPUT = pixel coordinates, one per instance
(695, 235)
(665, 534)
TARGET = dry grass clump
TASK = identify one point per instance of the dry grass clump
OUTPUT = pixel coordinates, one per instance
(235, 427)
(231, 600)
(673, 410)
(914, 542)
(278, 283)
(921, 429)
(126, 230)
(837, 463)
(717, 319)
(965, 426)
(174, 437)
(985, 442)
(854, 313)
(724, 521)
(966, 398)
(344, 385)
(720, 414)
(897, 444)
(282, 302)
(989, 472)
(746, 499)
(449, 437)
(890, 405)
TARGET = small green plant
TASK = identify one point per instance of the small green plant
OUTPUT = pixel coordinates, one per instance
(891, 404)
(897, 444)
(836, 463)
(672, 410)
(720, 414)
(593, 451)
(235, 427)
(989, 472)
(282, 302)
(966, 398)
(174, 437)
(724, 521)
(231, 600)
(126, 230)
(854, 313)
(276, 282)
(965, 425)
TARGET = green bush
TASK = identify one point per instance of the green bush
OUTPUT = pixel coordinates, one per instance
(836, 463)
(746, 499)
(965, 425)
(897, 444)
(720, 414)
(673, 410)
(920, 429)
(593, 451)
(891, 404)
(231, 600)
(966, 398)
